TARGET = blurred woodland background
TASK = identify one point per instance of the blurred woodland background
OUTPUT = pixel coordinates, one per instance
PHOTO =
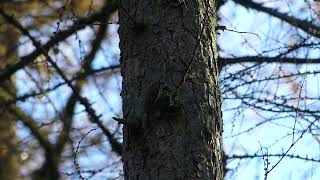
(269, 76)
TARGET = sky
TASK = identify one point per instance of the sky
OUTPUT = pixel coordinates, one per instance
(269, 137)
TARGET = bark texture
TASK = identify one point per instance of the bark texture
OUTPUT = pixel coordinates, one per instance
(170, 85)
(9, 155)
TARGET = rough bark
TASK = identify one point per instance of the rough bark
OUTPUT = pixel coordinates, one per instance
(170, 85)
(9, 155)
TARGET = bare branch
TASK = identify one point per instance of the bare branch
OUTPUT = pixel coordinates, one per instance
(248, 156)
(257, 59)
(106, 11)
(304, 25)
(93, 116)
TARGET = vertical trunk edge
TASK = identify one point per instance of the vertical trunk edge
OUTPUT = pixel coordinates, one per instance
(9, 152)
(180, 116)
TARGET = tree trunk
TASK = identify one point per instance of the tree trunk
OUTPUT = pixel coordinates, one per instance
(171, 100)
(9, 155)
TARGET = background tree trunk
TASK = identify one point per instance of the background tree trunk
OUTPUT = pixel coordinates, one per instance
(9, 155)
(170, 84)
